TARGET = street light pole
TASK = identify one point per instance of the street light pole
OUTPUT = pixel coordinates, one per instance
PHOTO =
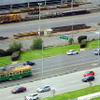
(42, 59)
(72, 23)
(71, 4)
(39, 19)
(98, 44)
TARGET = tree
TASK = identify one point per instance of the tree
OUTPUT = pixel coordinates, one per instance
(82, 37)
(71, 41)
(15, 46)
(37, 43)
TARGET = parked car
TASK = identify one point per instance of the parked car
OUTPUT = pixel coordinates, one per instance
(97, 51)
(29, 63)
(89, 73)
(88, 78)
(19, 89)
(72, 52)
(44, 88)
(33, 96)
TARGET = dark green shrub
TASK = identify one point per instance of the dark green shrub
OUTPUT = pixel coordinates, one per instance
(37, 43)
(15, 46)
(2, 53)
(9, 52)
(15, 55)
(80, 38)
(83, 43)
(71, 41)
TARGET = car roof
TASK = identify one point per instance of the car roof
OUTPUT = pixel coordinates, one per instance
(44, 86)
(30, 95)
(19, 87)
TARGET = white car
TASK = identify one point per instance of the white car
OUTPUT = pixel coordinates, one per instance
(33, 96)
(72, 52)
(44, 88)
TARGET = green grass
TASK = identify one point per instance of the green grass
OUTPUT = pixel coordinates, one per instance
(48, 52)
(5, 61)
(75, 94)
(92, 44)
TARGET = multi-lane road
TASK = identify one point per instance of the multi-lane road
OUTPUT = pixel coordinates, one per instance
(58, 65)
(62, 84)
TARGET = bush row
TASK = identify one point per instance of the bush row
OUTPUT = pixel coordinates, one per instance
(82, 40)
(15, 55)
(5, 52)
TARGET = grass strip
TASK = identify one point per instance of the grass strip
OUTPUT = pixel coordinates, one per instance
(75, 94)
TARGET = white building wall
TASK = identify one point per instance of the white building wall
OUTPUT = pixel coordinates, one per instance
(9, 2)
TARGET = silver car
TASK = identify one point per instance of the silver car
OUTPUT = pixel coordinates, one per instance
(72, 52)
(44, 88)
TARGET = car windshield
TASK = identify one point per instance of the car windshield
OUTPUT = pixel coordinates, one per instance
(42, 87)
(32, 95)
(16, 88)
(87, 72)
(70, 50)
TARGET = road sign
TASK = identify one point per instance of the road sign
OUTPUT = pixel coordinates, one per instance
(64, 37)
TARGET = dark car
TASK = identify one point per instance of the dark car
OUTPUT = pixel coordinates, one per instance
(19, 89)
(89, 73)
(88, 78)
(29, 63)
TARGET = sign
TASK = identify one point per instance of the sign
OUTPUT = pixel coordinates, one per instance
(47, 32)
(64, 37)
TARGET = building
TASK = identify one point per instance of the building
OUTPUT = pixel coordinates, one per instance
(11, 4)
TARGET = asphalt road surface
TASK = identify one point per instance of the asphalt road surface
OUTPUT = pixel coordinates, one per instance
(62, 84)
(58, 65)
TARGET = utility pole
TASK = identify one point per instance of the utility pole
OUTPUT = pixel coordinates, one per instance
(42, 59)
(39, 19)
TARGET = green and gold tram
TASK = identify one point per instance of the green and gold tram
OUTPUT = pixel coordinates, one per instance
(15, 73)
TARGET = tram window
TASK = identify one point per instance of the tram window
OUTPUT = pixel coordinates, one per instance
(20, 72)
(11, 74)
(2, 75)
(25, 70)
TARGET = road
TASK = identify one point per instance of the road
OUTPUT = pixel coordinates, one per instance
(59, 65)
(62, 84)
